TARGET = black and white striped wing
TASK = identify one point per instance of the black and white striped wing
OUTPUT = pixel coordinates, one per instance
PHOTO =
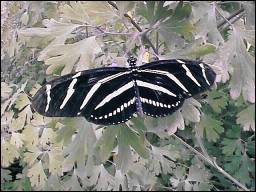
(164, 85)
(102, 96)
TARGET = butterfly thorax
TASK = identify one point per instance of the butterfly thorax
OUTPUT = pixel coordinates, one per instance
(132, 62)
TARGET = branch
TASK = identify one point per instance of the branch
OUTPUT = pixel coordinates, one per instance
(137, 27)
(212, 163)
(224, 21)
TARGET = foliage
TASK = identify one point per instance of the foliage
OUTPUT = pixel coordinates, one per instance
(41, 40)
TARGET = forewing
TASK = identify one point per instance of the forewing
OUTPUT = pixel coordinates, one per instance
(63, 96)
(190, 77)
(113, 103)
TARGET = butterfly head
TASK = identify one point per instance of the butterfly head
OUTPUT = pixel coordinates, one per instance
(132, 61)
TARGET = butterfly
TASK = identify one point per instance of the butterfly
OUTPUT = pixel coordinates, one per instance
(113, 95)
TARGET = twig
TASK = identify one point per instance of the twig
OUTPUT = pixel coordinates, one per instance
(230, 17)
(233, 21)
(225, 19)
(157, 42)
(137, 27)
(212, 163)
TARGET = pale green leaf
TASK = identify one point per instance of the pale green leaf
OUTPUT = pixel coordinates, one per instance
(231, 146)
(159, 161)
(37, 175)
(55, 160)
(166, 126)
(106, 142)
(80, 54)
(217, 100)
(5, 175)
(6, 90)
(189, 110)
(197, 174)
(22, 101)
(105, 180)
(16, 139)
(32, 154)
(206, 25)
(30, 135)
(211, 127)
(9, 152)
(93, 12)
(246, 118)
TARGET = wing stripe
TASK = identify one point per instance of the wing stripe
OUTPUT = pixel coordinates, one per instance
(189, 74)
(77, 75)
(69, 93)
(97, 85)
(171, 76)
(48, 92)
(157, 104)
(203, 71)
(115, 94)
(155, 87)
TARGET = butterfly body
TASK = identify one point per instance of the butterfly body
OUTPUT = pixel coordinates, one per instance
(112, 95)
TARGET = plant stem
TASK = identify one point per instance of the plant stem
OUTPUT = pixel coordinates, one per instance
(137, 27)
(230, 17)
(212, 163)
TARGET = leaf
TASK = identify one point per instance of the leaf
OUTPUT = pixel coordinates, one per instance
(243, 73)
(81, 54)
(211, 127)
(246, 118)
(55, 33)
(178, 22)
(217, 100)
(16, 139)
(30, 135)
(241, 166)
(33, 153)
(6, 90)
(165, 126)
(8, 153)
(22, 101)
(197, 49)
(189, 110)
(54, 183)
(231, 146)
(55, 160)
(73, 184)
(106, 142)
(140, 178)
(135, 140)
(48, 136)
(120, 181)
(23, 117)
(197, 174)
(172, 24)
(206, 27)
(37, 175)
(5, 175)
(178, 177)
(94, 12)
(234, 59)
(105, 180)
(76, 151)
(159, 159)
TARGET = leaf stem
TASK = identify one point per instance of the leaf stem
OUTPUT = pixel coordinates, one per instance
(212, 163)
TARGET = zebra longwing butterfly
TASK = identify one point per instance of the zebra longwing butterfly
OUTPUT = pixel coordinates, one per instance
(112, 95)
